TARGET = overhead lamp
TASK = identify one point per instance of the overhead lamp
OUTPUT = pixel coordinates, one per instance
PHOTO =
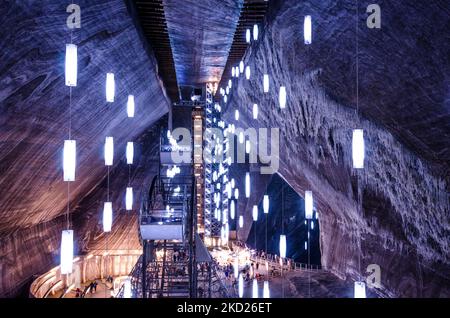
(307, 30)
(360, 290)
(255, 32)
(236, 193)
(233, 72)
(232, 210)
(109, 151)
(306, 245)
(130, 106)
(66, 251)
(247, 146)
(110, 87)
(266, 83)
(241, 286)
(312, 225)
(129, 199)
(247, 36)
(247, 72)
(266, 291)
(107, 216)
(358, 148)
(255, 288)
(225, 99)
(230, 83)
(282, 97)
(309, 205)
(130, 152)
(255, 111)
(283, 246)
(69, 160)
(236, 114)
(241, 221)
(247, 184)
(241, 67)
(71, 65)
(237, 71)
(255, 213)
(266, 204)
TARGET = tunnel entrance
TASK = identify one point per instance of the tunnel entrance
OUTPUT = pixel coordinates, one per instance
(286, 213)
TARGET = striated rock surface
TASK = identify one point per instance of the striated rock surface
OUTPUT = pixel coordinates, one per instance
(34, 119)
(399, 204)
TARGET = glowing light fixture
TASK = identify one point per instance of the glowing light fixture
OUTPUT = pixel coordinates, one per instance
(109, 151)
(247, 72)
(236, 114)
(230, 83)
(307, 30)
(66, 251)
(247, 184)
(255, 288)
(107, 216)
(282, 97)
(225, 99)
(232, 209)
(71, 65)
(306, 245)
(266, 83)
(110, 87)
(255, 32)
(241, 221)
(255, 213)
(129, 199)
(312, 225)
(247, 36)
(255, 111)
(237, 71)
(236, 193)
(266, 204)
(308, 205)
(130, 106)
(233, 72)
(241, 67)
(130, 152)
(282, 245)
(247, 146)
(360, 290)
(241, 286)
(266, 290)
(233, 183)
(69, 159)
(358, 148)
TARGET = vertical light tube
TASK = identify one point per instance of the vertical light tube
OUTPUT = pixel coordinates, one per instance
(266, 290)
(360, 290)
(69, 159)
(255, 32)
(233, 72)
(307, 30)
(266, 204)
(241, 286)
(66, 251)
(130, 152)
(358, 148)
(255, 288)
(130, 106)
(247, 184)
(282, 97)
(247, 36)
(110, 87)
(236, 114)
(247, 146)
(236, 193)
(255, 213)
(283, 246)
(266, 83)
(230, 83)
(232, 210)
(109, 151)
(241, 67)
(237, 71)
(107, 216)
(129, 199)
(309, 205)
(71, 65)
(247, 72)
(255, 111)
(241, 221)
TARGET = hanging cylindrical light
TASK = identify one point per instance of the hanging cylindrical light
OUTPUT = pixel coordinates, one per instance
(255, 288)
(241, 67)
(129, 199)
(306, 245)
(266, 204)
(358, 148)
(236, 193)
(255, 111)
(233, 72)
(66, 251)
(266, 83)
(237, 71)
(130, 152)
(266, 291)
(232, 209)
(247, 146)
(127, 288)
(241, 221)
(230, 83)
(312, 225)
(110, 87)
(247, 36)
(233, 183)
(225, 98)
(109, 151)
(236, 114)
(307, 30)
(255, 213)
(247, 184)
(283, 246)
(247, 72)
(309, 205)
(130, 106)
(107, 216)
(71, 65)
(241, 286)
(360, 290)
(255, 32)
(69, 160)
(282, 97)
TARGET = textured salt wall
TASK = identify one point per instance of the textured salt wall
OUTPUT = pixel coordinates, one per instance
(34, 118)
(404, 219)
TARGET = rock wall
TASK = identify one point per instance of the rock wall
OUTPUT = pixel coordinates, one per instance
(399, 204)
